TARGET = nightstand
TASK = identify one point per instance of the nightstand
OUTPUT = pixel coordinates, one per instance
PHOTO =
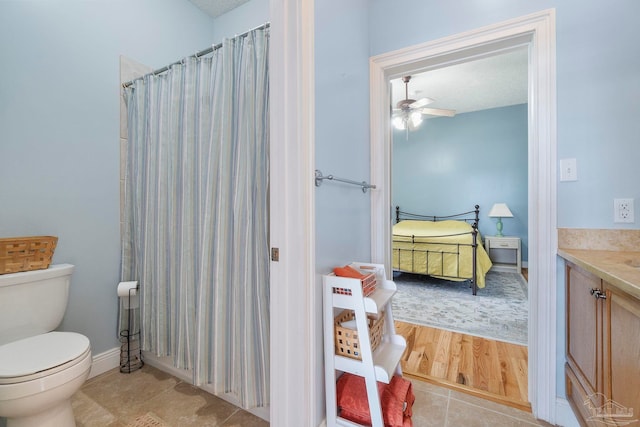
(505, 252)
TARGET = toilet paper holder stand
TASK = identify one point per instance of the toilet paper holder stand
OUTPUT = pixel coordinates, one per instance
(130, 348)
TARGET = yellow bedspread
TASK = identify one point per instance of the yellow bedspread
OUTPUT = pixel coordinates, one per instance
(439, 249)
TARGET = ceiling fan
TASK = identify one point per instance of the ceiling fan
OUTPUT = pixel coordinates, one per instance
(408, 113)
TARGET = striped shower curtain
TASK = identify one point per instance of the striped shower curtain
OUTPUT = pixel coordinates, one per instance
(196, 215)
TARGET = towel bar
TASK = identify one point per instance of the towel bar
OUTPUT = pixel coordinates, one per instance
(364, 185)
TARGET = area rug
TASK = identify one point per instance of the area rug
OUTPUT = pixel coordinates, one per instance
(499, 311)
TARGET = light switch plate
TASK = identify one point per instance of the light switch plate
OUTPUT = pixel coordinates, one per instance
(568, 170)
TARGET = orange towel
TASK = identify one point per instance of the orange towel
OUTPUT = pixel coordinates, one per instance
(396, 400)
(402, 389)
(353, 271)
(347, 271)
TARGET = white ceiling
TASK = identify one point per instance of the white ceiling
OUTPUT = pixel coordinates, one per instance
(497, 81)
(215, 8)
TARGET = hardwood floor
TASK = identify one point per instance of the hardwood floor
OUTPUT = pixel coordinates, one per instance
(493, 370)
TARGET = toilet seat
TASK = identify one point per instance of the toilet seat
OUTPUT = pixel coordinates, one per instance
(41, 355)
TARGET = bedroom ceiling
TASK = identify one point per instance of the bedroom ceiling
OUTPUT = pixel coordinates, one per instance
(215, 8)
(493, 82)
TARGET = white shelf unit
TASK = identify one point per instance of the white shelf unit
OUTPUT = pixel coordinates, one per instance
(379, 365)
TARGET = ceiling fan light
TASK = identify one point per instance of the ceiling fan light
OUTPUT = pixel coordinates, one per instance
(399, 123)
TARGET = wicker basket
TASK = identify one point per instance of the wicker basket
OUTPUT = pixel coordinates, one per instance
(369, 284)
(346, 339)
(26, 253)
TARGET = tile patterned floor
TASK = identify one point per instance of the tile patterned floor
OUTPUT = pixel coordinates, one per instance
(118, 400)
(441, 407)
(127, 400)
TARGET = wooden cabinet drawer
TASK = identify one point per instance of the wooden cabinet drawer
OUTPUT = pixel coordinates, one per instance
(497, 243)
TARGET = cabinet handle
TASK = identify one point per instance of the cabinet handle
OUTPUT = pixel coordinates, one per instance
(598, 294)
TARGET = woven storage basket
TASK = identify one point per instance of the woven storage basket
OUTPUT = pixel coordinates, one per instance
(369, 284)
(26, 253)
(346, 339)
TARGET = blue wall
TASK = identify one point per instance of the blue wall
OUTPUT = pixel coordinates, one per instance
(241, 19)
(342, 132)
(343, 213)
(450, 164)
(59, 115)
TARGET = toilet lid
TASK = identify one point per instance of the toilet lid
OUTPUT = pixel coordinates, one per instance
(40, 353)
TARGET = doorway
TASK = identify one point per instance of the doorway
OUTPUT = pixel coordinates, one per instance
(537, 33)
(468, 147)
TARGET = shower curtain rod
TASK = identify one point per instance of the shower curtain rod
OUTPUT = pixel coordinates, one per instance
(196, 55)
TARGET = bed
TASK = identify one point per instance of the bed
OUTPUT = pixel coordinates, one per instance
(446, 247)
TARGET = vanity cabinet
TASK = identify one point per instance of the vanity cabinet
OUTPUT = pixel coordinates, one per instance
(602, 371)
(621, 355)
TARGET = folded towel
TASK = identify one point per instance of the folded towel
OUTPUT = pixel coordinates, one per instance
(354, 271)
(348, 272)
(402, 389)
(396, 400)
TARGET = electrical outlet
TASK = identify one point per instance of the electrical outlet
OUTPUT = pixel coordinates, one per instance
(623, 210)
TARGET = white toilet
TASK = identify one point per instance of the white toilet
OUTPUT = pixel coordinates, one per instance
(39, 370)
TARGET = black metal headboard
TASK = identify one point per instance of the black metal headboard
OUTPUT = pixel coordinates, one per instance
(473, 216)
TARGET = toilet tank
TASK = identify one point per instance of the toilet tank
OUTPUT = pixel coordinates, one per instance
(33, 302)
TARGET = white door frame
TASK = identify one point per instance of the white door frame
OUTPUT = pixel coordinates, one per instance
(295, 314)
(537, 31)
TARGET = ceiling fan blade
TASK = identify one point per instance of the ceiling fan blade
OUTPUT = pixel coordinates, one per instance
(438, 112)
(421, 103)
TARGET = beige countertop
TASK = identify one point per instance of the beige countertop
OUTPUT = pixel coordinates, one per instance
(619, 268)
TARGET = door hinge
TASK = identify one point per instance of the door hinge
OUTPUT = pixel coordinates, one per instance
(275, 254)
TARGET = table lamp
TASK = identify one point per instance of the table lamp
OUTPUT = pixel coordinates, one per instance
(500, 210)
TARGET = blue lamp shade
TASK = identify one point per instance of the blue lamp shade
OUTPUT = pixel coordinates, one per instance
(500, 210)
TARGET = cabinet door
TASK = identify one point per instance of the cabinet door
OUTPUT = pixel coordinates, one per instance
(584, 327)
(622, 351)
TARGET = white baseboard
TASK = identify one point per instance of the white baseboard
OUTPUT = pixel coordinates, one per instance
(105, 361)
(564, 414)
